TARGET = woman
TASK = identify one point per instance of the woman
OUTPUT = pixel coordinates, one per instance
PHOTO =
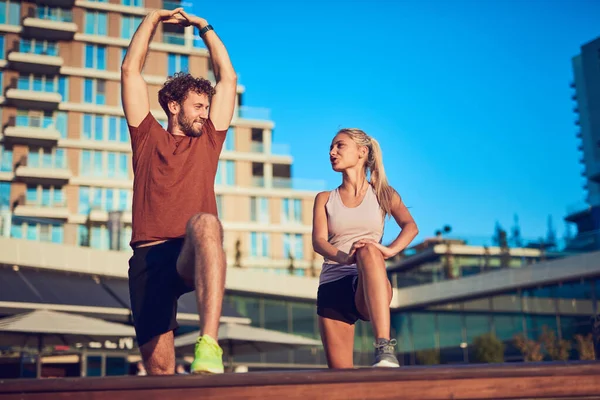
(347, 231)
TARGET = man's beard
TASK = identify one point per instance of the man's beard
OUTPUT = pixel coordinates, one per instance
(187, 126)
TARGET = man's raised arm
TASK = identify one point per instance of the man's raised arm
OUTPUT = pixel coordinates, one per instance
(134, 91)
(223, 102)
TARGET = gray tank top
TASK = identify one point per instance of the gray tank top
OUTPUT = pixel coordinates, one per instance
(347, 225)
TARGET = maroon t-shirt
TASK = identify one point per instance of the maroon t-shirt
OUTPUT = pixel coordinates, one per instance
(174, 179)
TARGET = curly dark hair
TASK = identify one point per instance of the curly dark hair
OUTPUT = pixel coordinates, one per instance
(177, 87)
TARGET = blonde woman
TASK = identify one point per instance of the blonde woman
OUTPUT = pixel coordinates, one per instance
(347, 231)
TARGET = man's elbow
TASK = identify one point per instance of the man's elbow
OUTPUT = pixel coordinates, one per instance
(228, 77)
(129, 68)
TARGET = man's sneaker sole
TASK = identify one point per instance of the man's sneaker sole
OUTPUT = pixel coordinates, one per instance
(207, 371)
(385, 364)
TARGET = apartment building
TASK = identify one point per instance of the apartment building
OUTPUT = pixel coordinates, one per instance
(65, 156)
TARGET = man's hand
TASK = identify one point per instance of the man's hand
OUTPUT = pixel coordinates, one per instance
(193, 20)
(170, 17)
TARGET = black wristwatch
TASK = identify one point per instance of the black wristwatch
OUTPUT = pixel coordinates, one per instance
(206, 29)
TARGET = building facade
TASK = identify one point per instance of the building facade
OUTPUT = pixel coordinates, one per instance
(586, 85)
(65, 156)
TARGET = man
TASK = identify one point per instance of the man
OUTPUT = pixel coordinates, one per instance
(177, 237)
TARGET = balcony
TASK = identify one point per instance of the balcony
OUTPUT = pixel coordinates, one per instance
(174, 38)
(50, 24)
(44, 208)
(32, 130)
(99, 215)
(298, 184)
(258, 181)
(576, 210)
(58, 3)
(253, 113)
(257, 147)
(34, 58)
(46, 171)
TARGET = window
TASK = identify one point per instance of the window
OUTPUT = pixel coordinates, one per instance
(291, 210)
(100, 163)
(40, 47)
(43, 83)
(259, 244)
(230, 139)
(2, 54)
(99, 238)
(96, 23)
(94, 91)
(54, 13)
(225, 173)
(177, 63)
(104, 128)
(219, 200)
(259, 209)
(44, 196)
(133, 3)
(43, 119)
(105, 199)
(95, 56)
(10, 12)
(293, 245)
(40, 157)
(129, 24)
(4, 195)
(34, 229)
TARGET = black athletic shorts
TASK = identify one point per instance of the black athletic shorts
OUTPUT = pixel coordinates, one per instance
(335, 300)
(154, 288)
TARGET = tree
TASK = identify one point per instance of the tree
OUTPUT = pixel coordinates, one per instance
(488, 349)
(585, 347)
(530, 349)
(557, 349)
(515, 237)
(550, 234)
(496, 239)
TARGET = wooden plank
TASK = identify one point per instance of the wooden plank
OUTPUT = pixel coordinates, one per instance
(472, 382)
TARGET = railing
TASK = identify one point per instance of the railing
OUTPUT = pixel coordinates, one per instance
(38, 47)
(258, 181)
(25, 83)
(254, 113)
(55, 14)
(171, 5)
(257, 147)
(578, 207)
(45, 161)
(174, 38)
(34, 122)
(298, 184)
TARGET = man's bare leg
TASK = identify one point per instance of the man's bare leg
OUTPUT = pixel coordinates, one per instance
(202, 261)
(158, 355)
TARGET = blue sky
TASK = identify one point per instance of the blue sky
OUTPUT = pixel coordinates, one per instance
(470, 100)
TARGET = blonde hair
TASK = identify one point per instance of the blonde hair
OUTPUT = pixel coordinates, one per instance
(374, 165)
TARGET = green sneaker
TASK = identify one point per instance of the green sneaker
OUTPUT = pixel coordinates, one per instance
(208, 357)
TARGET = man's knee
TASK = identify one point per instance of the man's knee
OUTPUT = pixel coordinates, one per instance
(158, 356)
(204, 224)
